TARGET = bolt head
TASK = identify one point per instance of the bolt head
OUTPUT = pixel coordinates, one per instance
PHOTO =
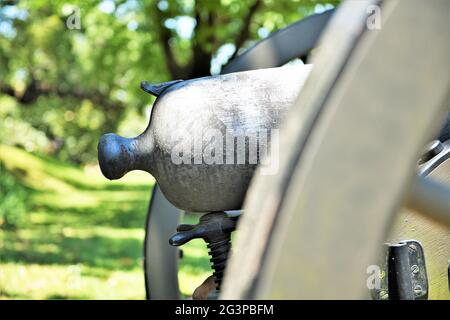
(412, 248)
(384, 295)
(418, 290)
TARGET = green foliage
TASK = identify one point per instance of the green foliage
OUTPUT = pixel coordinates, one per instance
(17, 129)
(71, 85)
(14, 200)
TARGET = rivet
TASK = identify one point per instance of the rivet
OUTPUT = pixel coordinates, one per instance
(418, 290)
(415, 268)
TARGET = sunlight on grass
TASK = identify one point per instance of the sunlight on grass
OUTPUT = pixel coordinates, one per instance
(84, 199)
(45, 173)
(25, 281)
(83, 237)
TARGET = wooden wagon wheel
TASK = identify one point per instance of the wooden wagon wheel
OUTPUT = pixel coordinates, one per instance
(161, 259)
(347, 159)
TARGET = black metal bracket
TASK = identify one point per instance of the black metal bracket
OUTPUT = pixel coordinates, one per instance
(404, 276)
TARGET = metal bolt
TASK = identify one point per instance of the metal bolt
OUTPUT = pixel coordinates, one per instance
(412, 248)
(415, 269)
(417, 290)
(431, 150)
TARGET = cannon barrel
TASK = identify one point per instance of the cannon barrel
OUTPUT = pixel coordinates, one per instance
(203, 133)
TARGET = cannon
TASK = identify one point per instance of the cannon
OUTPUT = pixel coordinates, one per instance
(206, 136)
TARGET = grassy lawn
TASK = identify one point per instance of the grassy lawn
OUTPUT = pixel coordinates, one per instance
(83, 238)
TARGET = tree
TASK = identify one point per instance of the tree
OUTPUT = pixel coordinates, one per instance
(74, 84)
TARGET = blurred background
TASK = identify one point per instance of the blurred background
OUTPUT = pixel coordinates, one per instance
(69, 72)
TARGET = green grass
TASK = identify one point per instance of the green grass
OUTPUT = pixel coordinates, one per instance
(83, 238)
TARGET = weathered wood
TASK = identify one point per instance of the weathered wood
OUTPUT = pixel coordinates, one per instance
(351, 146)
(434, 237)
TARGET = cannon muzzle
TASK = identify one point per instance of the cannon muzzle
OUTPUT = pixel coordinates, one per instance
(116, 155)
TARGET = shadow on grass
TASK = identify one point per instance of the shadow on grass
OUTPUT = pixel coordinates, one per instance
(89, 222)
(49, 243)
(126, 214)
(53, 247)
(57, 296)
(11, 295)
